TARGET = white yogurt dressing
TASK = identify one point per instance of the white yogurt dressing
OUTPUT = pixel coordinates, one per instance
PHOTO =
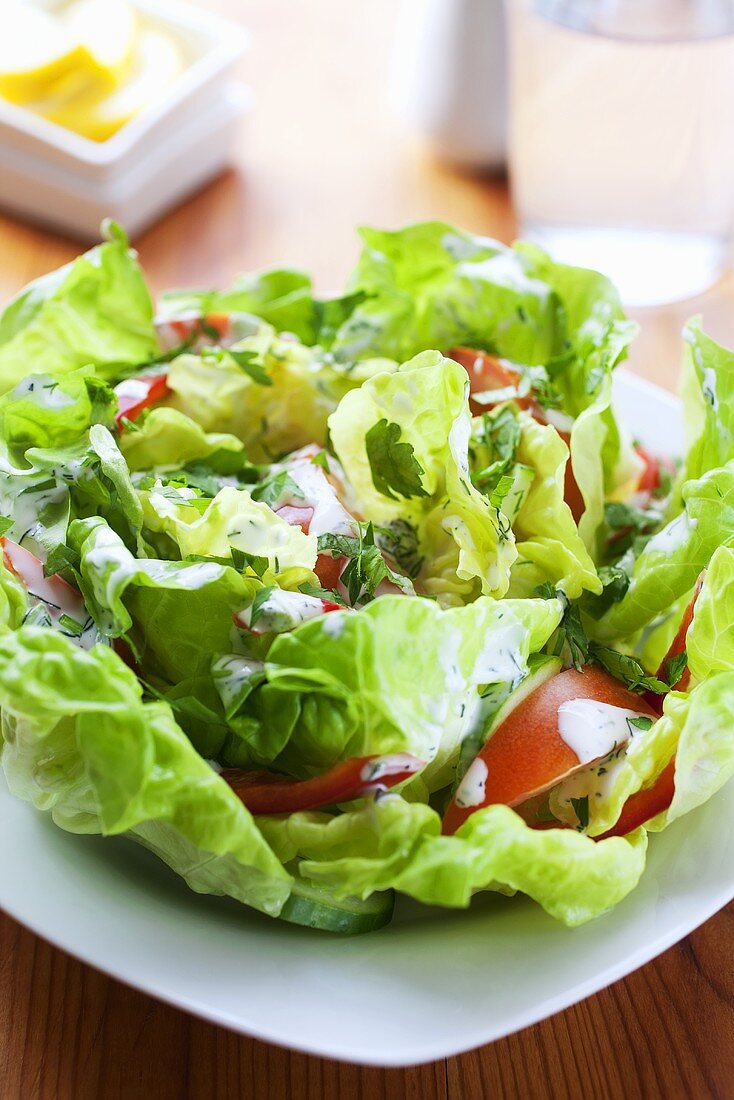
(459, 442)
(472, 789)
(330, 517)
(132, 388)
(709, 387)
(283, 611)
(44, 391)
(501, 656)
(593, 730)
(673, 537)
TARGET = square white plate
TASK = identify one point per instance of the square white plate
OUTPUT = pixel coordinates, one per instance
(432, 984)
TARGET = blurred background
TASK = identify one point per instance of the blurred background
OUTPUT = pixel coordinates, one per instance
(266, 139)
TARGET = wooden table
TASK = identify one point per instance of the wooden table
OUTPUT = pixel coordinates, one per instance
(321, 154)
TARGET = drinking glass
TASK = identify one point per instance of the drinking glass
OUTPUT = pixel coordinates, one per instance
(622, 137)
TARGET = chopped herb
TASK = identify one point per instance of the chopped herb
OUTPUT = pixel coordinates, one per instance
(248, 362)
(60, 558)
(399, 540)
(581, 809)
(71, 626)
(321, 593)
(627, 669)
(5, 524)
(257, 607)
(675, 667)
(500, 491)
(366, 567)
(615, 581)
(394, 467)
(641, 723)
(321, 459)
(276, 488)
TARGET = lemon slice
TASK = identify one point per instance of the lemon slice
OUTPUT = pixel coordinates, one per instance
(36, 49)
(158, 61)
(107, 30)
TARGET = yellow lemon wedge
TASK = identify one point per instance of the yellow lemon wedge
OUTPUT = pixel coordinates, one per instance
(36, 49)
(158, 60)
(107, 30)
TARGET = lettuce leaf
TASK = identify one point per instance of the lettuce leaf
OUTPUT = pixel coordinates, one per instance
(669, 565)
(398, 844)
(94, 311)
(549, 547)
(274, 419)
(45, 411)
(401, 675)
(707, 390)
(79, 742)
(420, 474)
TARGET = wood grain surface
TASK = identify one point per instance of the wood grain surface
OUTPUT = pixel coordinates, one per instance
(320, 154)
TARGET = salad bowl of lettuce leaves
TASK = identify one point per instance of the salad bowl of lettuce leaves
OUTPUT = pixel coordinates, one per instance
(329, 602)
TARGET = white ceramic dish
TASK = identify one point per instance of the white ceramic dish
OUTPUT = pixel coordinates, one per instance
(51, 175)
(432, 984)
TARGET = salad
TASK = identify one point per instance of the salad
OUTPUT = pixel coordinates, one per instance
(324, 600)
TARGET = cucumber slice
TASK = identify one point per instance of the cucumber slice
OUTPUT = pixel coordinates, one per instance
(315, 907)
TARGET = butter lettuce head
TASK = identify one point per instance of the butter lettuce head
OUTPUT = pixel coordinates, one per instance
(403, 442)
(398, 844)
(77, 741)
(401, 675)
(94, 311)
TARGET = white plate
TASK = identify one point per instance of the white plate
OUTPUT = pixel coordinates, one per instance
(432, 984)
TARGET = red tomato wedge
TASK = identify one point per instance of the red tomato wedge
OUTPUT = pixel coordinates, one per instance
(650, 476)
(268, 793)
(201, 325)
(53, 591)
(678, 645)
(526, 754)
(328, 569)
(487, 372)
(645, 804)
(135, 394)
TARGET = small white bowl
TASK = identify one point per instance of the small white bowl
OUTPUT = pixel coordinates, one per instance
(61, 179)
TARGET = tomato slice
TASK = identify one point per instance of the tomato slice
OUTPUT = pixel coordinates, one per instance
(135, 394)
(266, 792)
(296, 517)
(650, 476)
(527, 754)
(486, 373)
(54, 591)
(646, 804)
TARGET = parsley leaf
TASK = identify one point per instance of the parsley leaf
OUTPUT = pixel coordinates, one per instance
(581, 809)
(675, 667)
(321, 593)
(276, 488)
(366, 567)
(616, 581)
(321, 459)
(247, 361)
(60, 558)
(399, 540)
(627, 669)
(394, 467)
(641, 723)
(257, 607)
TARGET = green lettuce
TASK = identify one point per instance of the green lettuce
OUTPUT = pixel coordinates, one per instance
(282, 296)
(45, 411)
(79, 742)
(169, 440)
(399, 844)
(403, 441)
(707, 390)
(277, 402)
(549, 547)
(401, 675)
(94, 311)
(669, 565)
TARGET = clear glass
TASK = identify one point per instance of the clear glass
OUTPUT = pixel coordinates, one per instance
(622, 138)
